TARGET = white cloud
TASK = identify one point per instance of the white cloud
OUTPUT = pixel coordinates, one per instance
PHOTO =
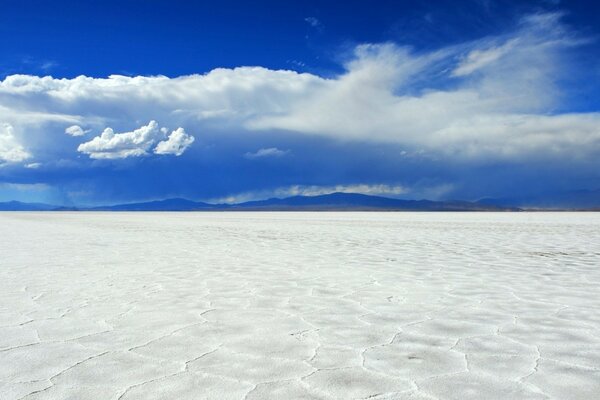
(48, 65)
(381, 189)
(75, 130)
(503, 112)
(316, 190)
(502, 107)
(266, 152)
(11, 151)
(312, 21)
(110, 145)
(477, 59)
(177, 142)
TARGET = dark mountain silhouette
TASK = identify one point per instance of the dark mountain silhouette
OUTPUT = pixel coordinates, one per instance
(20, 206)
(568, 200)
(326, 202)
(574, 200)
(355, 201)
(158, 205)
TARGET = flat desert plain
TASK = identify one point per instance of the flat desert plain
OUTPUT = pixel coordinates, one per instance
(299, 305)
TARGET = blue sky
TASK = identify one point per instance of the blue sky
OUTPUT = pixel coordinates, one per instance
(104, 102)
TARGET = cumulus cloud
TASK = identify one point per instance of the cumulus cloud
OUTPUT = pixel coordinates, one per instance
(493, 98)
(177, 142)
(75, 130)
(11, 151)
(110, 145)
(266, 152)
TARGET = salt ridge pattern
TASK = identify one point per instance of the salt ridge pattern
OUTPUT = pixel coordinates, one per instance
(299, 305)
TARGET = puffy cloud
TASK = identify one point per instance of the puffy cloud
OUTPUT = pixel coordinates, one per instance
(122, 145)
(266, 152)
(75, 130)
(230, 93)
(11, 151)
(177, 142)
(110, 145)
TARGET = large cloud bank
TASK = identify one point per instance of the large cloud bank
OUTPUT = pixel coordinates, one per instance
(495, 98)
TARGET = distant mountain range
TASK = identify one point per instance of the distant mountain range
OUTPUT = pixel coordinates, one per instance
(327, 202)
(158, 205)
(355, 201)
(589, 200)
(576, 199)
(19, 206)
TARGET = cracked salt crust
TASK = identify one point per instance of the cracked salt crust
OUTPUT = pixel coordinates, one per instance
(422, 306)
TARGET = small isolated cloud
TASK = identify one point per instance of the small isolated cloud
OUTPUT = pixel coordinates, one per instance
(297, 63)
(10, 149)
(313, 21)
(177, 142)
(266, 152)
(75, 130)
(48, 65)
(33, 165)
(110, 145)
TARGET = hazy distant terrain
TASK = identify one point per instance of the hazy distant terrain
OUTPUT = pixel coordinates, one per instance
(299, 305)
(582, 200)
(326, 202)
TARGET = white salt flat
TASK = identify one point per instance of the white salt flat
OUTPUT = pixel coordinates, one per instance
(303, 305)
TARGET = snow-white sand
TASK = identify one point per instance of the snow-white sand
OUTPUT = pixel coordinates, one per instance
(299, 305)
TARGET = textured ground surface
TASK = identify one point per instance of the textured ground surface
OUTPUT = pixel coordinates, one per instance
(305, 305)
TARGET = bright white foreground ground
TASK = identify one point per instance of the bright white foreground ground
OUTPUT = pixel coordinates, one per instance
(299, 305)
